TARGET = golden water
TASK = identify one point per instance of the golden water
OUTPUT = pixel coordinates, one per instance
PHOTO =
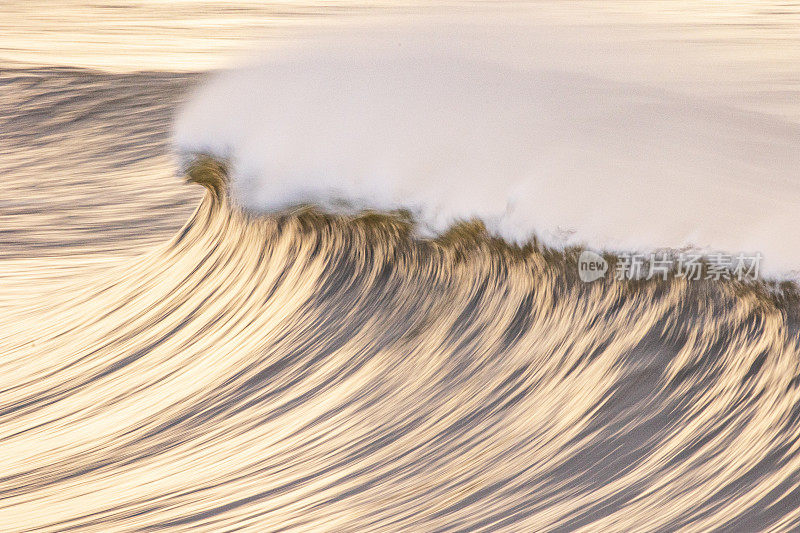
(170, 363)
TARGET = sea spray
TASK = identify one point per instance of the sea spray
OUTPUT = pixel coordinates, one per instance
(571, 158)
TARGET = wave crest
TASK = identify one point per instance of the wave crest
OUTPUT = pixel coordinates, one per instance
(450, 135)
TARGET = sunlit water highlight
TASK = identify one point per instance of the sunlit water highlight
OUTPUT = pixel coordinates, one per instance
(169, 362)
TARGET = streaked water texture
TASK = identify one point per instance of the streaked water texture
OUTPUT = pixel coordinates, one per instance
(309, 373)
(170, 362)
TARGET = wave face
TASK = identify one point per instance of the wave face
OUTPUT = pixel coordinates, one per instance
(451, 134)
(314, 372)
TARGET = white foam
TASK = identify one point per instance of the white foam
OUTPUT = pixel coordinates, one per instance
(438, 127)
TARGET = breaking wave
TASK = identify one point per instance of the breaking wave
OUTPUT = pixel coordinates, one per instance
(320, 367)
(311, 371)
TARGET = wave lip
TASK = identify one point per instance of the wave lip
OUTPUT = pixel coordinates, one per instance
(210, 172)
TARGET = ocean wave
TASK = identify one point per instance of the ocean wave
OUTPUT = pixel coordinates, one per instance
(341, 364)
(311, 371)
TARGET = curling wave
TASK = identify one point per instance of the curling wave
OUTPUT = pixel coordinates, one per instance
(322, 368)
(311, 371)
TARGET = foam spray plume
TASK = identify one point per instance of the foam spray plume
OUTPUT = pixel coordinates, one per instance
(449, 134)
